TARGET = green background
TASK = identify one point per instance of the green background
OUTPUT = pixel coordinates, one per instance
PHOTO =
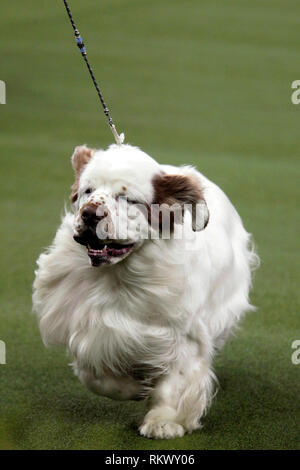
(203, 82)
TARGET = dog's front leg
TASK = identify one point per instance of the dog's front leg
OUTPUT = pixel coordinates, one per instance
(181, 396)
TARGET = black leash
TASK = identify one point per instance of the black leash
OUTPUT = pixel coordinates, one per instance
(118, 138)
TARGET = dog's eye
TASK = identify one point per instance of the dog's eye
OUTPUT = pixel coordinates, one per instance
(88, 191)
(130, 201)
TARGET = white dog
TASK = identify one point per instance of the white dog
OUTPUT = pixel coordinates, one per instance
(142, 313)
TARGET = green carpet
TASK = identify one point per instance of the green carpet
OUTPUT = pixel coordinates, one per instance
(203, 82)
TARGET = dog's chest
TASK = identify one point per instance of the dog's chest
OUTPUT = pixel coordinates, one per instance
(123, 332)
(125, 318)
(122, 345)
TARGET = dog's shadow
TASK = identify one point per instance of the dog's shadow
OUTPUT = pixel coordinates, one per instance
(72, 402)
(244, 400)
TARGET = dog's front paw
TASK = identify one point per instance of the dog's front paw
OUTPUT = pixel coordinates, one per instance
(161, 429)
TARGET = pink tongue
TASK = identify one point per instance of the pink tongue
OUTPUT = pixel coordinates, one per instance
(98, 257)
(105, 253)
(117, 251)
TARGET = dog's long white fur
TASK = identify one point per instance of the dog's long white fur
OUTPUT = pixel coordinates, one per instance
(165, 309)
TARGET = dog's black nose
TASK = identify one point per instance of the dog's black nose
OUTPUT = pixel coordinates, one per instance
(90, 215)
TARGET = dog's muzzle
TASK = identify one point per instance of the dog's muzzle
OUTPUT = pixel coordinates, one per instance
(100, 250)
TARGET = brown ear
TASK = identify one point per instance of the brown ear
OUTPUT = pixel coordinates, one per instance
(80, 158)
(185, 191)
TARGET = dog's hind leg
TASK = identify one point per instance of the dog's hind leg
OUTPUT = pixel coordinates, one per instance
(117, 388)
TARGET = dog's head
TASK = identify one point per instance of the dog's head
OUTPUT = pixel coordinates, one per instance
(122, 196)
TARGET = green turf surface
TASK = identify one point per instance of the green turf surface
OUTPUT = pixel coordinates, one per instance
(203, 82)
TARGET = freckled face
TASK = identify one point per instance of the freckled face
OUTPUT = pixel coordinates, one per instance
(111, 206)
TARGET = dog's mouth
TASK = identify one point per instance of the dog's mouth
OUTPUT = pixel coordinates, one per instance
(103, 251)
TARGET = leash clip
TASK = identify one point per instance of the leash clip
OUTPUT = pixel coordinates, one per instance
(118, 138)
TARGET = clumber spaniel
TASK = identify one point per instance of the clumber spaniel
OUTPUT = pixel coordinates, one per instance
(144, 281)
